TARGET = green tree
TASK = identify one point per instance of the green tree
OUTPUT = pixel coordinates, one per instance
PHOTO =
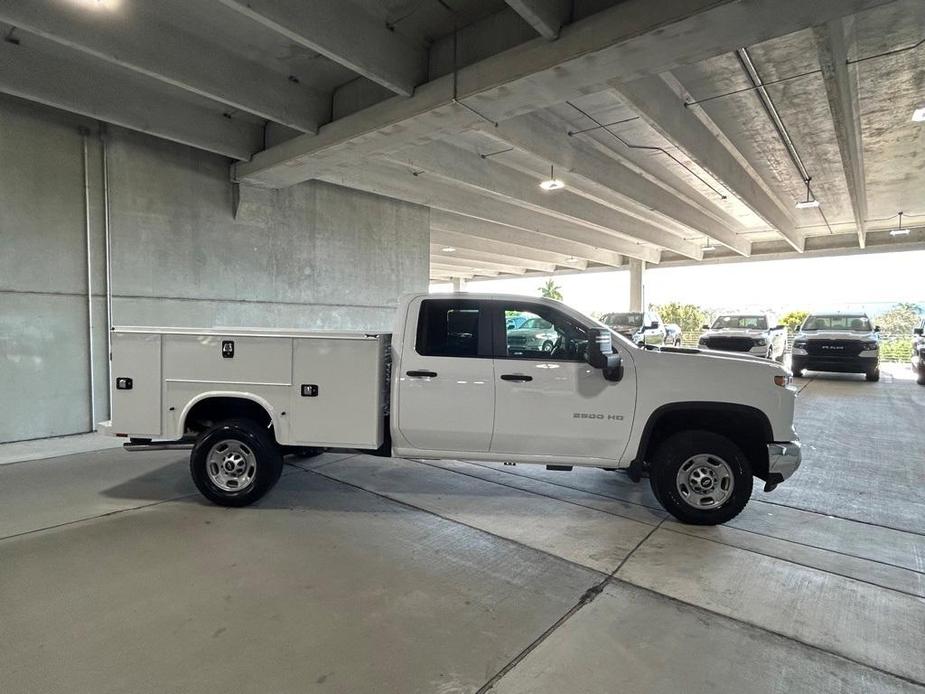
(689, 316)
(793, 320)
(551, 290)
(899, 320)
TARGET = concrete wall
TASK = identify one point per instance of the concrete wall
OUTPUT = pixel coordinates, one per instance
(314, 255)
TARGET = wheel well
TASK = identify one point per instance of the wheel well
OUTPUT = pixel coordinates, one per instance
(208, 411)
(748, 427)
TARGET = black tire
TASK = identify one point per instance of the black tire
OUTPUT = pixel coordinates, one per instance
(678, 450)
(262, 457)
(920, 379)
(874, 375)
(797, 372)
(547, 346)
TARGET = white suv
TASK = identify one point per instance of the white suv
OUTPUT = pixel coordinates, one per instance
(840, 342)
(757, 334)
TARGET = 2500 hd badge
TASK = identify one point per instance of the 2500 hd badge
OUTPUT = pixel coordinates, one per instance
(597, 415)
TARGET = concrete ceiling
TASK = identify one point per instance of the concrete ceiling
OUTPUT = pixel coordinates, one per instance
(384, 96)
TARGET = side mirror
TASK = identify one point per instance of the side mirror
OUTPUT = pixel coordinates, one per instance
(654, 325)
(601, 355)
(917, 331)
(876, 328)
(704, 327)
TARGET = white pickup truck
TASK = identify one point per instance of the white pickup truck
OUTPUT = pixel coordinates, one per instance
(754, 334)
(450, 382)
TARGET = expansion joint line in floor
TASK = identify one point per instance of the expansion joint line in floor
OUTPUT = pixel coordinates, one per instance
(587, 598)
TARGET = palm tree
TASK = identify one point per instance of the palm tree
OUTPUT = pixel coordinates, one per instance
(551, 290)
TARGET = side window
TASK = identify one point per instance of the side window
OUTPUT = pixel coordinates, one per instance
(448, 328)
(542, 334)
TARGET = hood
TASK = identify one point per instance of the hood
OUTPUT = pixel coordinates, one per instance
(838, 335)
(702, 353)
(735, 332)
(530, 332)
(625, 328)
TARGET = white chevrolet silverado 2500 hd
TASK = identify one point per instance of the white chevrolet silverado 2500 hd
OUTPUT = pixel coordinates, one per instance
(754, 334)
(455, 381)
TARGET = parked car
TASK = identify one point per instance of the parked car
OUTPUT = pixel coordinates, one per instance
(757, 334)
(640, 327)
(533, 334)
(839, 342)
(918, 352)
(673, 334)
(447, 384)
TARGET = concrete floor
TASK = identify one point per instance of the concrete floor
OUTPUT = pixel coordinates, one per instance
(362, 574)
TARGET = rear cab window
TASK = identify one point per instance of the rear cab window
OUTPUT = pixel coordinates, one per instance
(453, 328)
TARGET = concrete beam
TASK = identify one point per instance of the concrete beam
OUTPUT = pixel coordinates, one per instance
(397, 181)
(447, 260)
(464, 254)
(665, 111)
(546, 16)
(36, 71)
(626, 41)
(504, 249)
(842, 92)
(446, 270)
(468, 169)
(141, 41)
(590, 170)
(492, 232)
(343, 32)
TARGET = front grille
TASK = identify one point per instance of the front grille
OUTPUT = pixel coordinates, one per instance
(834, 348)
(731, 344)
(516, 340)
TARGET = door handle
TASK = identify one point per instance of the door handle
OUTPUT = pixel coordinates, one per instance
(516, 377)
(422, 374)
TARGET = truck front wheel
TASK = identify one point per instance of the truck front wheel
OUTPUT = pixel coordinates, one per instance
(235, 462)
(700, 477)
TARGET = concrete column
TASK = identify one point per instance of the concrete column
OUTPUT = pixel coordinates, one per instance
(459, 284)
(637, 268)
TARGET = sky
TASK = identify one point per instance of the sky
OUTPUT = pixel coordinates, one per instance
(868, 282)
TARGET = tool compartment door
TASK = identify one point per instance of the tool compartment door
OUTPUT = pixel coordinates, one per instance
(337, 392)
(136, 384)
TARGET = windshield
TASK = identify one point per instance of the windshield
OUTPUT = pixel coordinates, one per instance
(741, 322)
(856, 323)
(612, 319)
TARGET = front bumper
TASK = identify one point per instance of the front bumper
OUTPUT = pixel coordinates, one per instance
(862, 363)
(783, 460)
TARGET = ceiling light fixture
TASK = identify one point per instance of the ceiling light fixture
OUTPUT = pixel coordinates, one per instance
(448, 249)
(552, 183)
(810, 199)
(899, 230)
(918, 115)
(571, 259)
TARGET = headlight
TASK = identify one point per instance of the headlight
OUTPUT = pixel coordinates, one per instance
(799, 344)
(761, 341)
(871, 345)
(702, 341)
(546, 336)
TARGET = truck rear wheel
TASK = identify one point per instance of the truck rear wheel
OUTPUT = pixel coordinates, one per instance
(700, 477)
(235, 462)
